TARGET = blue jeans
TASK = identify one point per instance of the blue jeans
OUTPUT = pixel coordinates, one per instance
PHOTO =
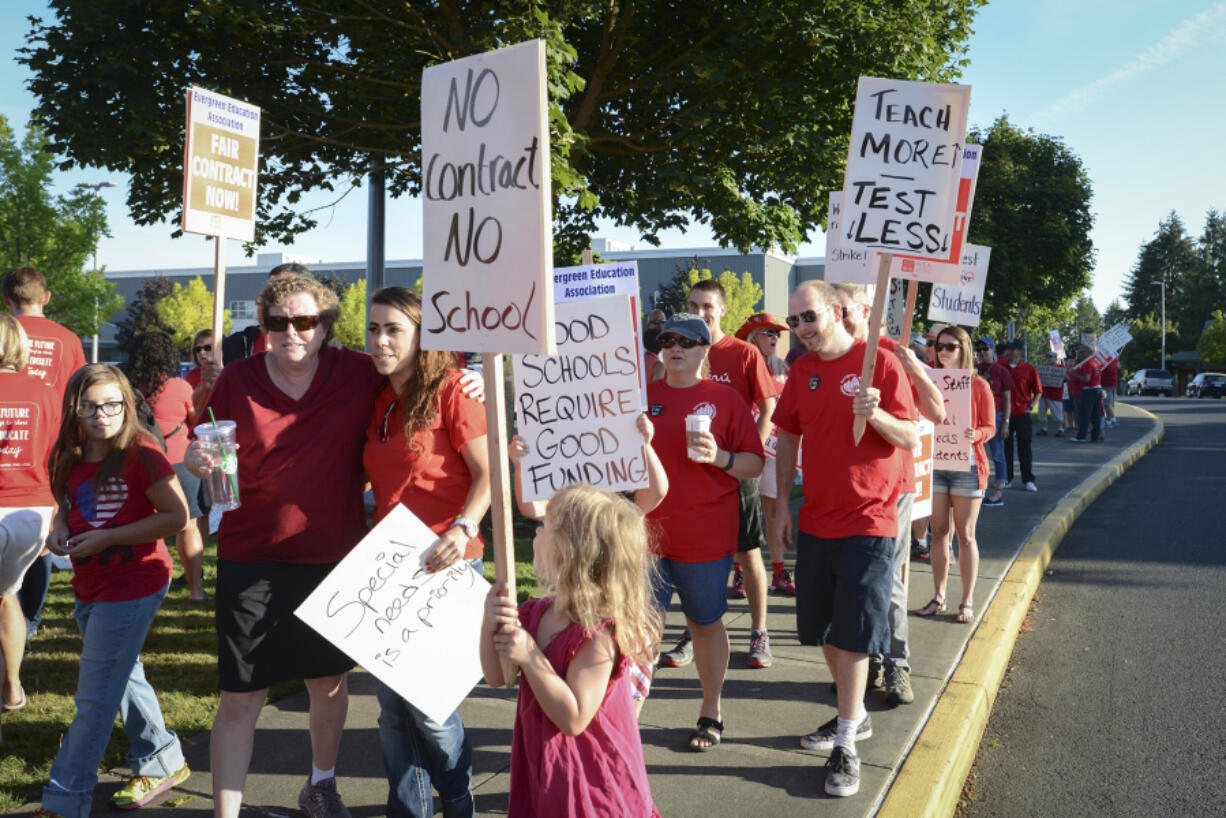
(418, 753)
(111, 680)
(997, 449)
(33, 594)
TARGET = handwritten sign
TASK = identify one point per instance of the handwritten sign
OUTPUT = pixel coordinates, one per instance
(221, 166)
(1112, 341)
(418, 632)
(577, 410)
(845, 263)
(1056, 343)
(951, 450)
(896, 309)
(962, 304)
(921, 506)
(1050, 375)
(487, 252)
(903, 168)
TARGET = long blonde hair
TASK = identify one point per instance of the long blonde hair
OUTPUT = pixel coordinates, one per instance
(604, 567)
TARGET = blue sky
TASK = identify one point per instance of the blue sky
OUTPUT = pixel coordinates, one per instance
(1135, 89)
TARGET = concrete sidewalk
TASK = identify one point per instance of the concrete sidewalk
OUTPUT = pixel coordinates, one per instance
(760, 766)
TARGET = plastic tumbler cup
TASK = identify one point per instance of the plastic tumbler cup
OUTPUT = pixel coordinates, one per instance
(695, 425)
(221, 484)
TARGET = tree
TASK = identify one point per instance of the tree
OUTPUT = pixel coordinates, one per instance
(1114, 314)
(1213, 342)
(742, 295)
(56, 235)
(1086, 317)
(1166, 259)
(188, 310)
(727, 113)
(350, 327)
(1145, 348)
(142, 313)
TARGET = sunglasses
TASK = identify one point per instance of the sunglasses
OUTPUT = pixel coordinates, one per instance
(670, 341)
(808, 316)
(981, 349)
(280, 323)
(945, 347)
(770, 333)
(109, 409)
(931, 343)
(203, 348)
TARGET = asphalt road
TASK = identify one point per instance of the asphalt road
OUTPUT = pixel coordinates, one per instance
(1115, 701)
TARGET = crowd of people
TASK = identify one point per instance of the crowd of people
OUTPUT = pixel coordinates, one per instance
(113, 468)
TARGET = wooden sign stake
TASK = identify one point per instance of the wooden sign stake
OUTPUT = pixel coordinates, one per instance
(874, 332)
(219, 296)
(500, 482)
(908, 316)
(587, 256)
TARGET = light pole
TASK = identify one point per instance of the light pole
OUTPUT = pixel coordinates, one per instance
(1162, 284)
(97, 189)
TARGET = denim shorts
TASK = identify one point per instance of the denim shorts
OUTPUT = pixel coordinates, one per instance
(843, 589)
(702, 587)
(957, 483)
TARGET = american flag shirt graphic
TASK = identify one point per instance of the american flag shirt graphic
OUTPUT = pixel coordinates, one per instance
(99, 505)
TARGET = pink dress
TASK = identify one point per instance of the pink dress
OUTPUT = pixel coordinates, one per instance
(597, 773)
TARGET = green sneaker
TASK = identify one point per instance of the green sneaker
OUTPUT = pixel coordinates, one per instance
(141, 789)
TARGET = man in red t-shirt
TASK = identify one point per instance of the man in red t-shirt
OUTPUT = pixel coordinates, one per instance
(849, 519)
(1051, 402)
(1026, 392)
(1111, 382)
(1087, 372)
(739, 365)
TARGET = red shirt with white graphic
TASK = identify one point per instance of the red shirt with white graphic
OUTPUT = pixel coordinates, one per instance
(698, 519)
(29, 423)
(850, 490)
(55, 351)
(121, 572)
(739, 364)
(1026, 387)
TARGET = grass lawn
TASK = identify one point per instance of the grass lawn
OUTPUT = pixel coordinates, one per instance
(180, 658)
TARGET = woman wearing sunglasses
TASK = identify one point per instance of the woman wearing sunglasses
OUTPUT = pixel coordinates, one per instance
(425, 448)
(958, 494)
(301, 411)
(697, 522)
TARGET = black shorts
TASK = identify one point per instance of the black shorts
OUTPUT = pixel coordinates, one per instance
(259, 640)
(752, 533)
(843, 592)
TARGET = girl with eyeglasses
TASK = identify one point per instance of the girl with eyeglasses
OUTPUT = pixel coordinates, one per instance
(957, 495)
(117, 499)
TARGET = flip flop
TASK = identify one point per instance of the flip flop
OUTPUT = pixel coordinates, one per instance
(706, 733)
(935, 606)
(966, 614)
(10, 707)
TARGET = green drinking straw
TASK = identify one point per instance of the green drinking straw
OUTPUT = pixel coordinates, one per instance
(233, 478)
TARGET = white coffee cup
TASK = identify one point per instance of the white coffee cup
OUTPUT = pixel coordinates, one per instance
(695, 427)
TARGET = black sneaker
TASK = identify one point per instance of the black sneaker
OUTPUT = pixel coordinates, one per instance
(920, 550)
(823, 737)
(842, 773)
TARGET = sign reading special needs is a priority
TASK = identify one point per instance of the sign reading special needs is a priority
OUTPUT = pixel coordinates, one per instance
(487, 262)
(220, 166)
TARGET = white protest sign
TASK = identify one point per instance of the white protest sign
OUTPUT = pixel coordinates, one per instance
(921, 506)
(1050, 375)
(844, 263)
(487, 251)
(962, 304)
(1056, 343)
(577, 410)
(896, 309)
(220, 166)
(952, 451)
(1112, 341)
(900, 190)
(595, 280)
(417, 632)
(920, 269)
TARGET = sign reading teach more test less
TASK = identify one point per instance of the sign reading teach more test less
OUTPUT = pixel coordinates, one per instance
(220, 166)
(488, 249)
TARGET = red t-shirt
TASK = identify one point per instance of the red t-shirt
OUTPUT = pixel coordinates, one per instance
(55, 351)
(299, 461)
(1091, 367)
(1025, 388)
(1001, 379)
(698, 519)
(121, 572)
(1074, 384)
(850, 490)
(193, 377)
(260, 344)
(29, 425)
(434, 482)
(172, 409)
(1052, 393)
(738, 364)
(1111, 373)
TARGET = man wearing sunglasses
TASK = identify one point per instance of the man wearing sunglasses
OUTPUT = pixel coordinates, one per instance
(849, 519)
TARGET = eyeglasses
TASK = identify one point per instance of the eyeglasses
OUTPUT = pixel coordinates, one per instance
(770, 333)
(808, 317)
(981, 349)
(670, 341)
(930, 343)
(280, 323)
(203, 348)
(944, 347)
(110, 409)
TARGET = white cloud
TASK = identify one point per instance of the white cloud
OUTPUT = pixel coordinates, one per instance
(1202, 29)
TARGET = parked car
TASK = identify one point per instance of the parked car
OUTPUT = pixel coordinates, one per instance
(1151, 381)
(1207, 385)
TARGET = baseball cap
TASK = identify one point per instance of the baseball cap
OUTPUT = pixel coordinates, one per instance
(985, 341)
(761, 320)
(687, 325)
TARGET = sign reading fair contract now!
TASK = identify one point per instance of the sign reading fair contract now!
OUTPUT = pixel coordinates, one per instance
(220, 166)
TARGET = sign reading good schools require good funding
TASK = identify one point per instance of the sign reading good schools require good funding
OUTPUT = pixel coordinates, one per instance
(221, 166)
(487, 248)
(577, 410)
(418, 632)
(952, 451)
(962, 304)
(903, 167)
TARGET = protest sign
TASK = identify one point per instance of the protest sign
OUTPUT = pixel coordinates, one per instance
(904, 162)
(962, 304)
(220, 166)
(950, 270)
(1056, 343)
(951, 450)
(596, 280)
(577, 410)
(487, 248)
(844, 263)
(896, 309)
(1050, 375)
(1112, 341)
(922, 504)
(417, 632)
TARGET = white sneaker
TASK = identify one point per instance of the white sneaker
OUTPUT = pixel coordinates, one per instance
(1031, 486)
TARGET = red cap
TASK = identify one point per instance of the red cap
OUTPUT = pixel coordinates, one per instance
(762, 320)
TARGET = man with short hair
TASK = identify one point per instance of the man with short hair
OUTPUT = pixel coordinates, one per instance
(739, 365)
(997, 374)
(1026, 391)
(849, 519)
(1110, 384)
(1087, 374)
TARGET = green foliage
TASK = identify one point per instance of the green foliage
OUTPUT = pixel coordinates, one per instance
(1213, 342)
(188, 310)
(726, 113)
(350, 327)
(142, 313)
(1145, 348)
(742, 294)
(56, 235)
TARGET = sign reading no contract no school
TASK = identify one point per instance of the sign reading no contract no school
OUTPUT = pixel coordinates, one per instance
(221, 166)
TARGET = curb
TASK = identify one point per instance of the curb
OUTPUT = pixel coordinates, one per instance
(931, 777)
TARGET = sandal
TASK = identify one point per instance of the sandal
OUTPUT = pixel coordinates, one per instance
(935, 606)
(966, 614)
(708, 730)
(17, 705)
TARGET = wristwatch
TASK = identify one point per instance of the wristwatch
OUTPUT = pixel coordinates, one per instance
(471, 530)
